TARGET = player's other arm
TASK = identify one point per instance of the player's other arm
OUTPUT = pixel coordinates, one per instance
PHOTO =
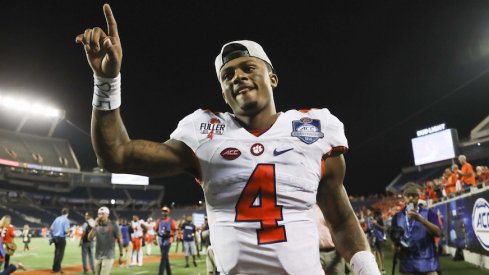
(346, 231)
(347, 234)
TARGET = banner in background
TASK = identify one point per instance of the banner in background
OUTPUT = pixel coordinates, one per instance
(466, 222)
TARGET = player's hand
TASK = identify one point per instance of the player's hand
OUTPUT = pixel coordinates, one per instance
(104, 51)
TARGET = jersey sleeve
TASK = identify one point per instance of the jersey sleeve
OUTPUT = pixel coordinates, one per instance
(187, 130)
(334, 133)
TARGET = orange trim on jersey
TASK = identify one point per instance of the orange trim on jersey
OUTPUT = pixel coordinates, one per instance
(259, 132)
(335, 151)
(305, 111)
(323, 168)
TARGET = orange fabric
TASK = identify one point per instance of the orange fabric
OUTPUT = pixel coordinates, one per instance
(259, 132)
(136, 243)
(450, 185)
(9, 236)
(149, 238)
(466, 169)
(485, 178)
(336, 151)
(432, 195)
(323, 168)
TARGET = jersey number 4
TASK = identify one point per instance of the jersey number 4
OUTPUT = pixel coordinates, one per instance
(258, 203)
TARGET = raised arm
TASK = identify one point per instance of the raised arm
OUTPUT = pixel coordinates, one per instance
(114, 149)
(348, 237)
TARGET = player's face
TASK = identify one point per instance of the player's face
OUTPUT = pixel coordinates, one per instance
(247, 85)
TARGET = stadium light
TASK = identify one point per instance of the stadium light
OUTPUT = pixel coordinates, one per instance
(30, 107)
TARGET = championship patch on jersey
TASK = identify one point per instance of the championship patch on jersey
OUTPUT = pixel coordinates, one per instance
(307, 130)
(211, 128)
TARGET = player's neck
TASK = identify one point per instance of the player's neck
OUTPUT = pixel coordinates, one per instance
(259, 121)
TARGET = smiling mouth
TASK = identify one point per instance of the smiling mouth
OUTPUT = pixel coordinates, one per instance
(243, 90)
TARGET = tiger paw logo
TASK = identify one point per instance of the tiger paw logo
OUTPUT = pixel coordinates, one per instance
(257, 149)
(211, 128)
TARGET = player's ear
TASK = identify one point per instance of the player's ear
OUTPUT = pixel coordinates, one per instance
(273, 80)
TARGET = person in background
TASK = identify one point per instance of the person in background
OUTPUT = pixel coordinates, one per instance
(482, 174)
(107, 234)
(466, 173)
(60, 229)
(126, 238)
(138, 227)
(8, 233)
(189, 231)
(149, 235)
(11, 268)
(165, 229)
(180, 234)
(417, 246)
(376, 234)
(86, 244)
(26, 237)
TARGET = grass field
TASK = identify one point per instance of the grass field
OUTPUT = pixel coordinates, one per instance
(41, 258)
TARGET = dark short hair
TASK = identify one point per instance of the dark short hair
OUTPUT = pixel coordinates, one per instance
(65, 211)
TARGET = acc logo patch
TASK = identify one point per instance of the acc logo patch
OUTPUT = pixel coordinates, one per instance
(307, 130)
(480, 222)
(230, 153)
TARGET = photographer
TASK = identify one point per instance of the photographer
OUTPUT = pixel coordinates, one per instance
(416, 244)
(165, 228)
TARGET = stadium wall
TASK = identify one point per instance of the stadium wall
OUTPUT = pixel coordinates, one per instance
(465, 225)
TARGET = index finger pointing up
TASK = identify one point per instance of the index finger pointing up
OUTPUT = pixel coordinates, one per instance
(111, 24)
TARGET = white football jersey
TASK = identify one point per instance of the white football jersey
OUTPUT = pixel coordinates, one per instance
(260, 191)
(137, 228)
(150, 226)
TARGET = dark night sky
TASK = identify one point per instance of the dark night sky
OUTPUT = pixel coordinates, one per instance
(385, 69)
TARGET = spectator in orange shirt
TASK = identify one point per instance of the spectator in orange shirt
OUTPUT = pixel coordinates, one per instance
(482, 174)
(466, 174)
(430, 193)
(451, 183)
